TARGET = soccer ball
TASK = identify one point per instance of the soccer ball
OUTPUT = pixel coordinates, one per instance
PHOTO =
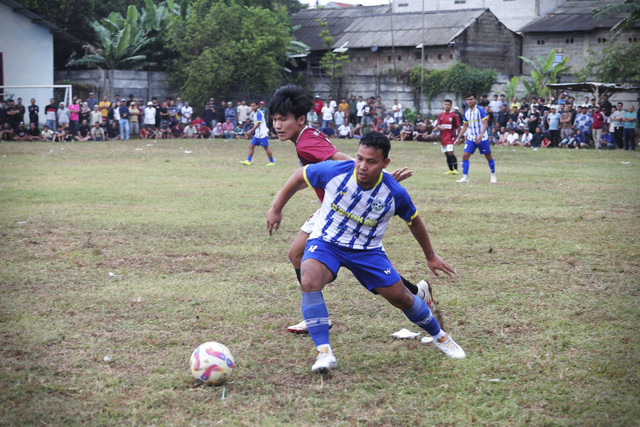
(212, 363)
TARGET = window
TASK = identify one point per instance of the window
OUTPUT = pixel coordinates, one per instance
(439, 56)
(602, 40)
(403, 4)
(389, 58)
(451, 56)
(558, 58)
(570, 41)
(399, 57)
(633, 39)
(418, 55)
(460, 1)
(539, 41)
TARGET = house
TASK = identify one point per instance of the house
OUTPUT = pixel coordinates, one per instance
(26, 53)
(572, 32)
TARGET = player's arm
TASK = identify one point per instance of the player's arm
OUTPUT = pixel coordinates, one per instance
(254, 127)
(463, 130)
(485, 125)
(434, 262)
(295, 183)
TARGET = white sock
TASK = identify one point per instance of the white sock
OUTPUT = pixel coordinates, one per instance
(321, 348)
(439, 335)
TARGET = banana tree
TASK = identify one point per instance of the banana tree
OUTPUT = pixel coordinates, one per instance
(544, 72)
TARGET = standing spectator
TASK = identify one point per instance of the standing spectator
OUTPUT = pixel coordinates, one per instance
(327, 114)
(208, 115)
(312, 117)
(134, 118)
(243, 111)
(583, 121)
(34, 110)
(21, 110)
(496, 104)
(12, 115)
(553, 123)
(63, 115)
(332, 103)
(220, 118)
(104, 105)
(3, 113)
(85, 112)
(502, 117)
(360, 110)
(629, 131)
(598, 124)
(353, 109)
(343, 107)
(74, 117)
(230, 113)
(533, 119)
(339, 118)
(94, 117)
(124, 121)
(566, 122)
(114, 112)
(164, 115)
(606, 106)
(185, 113)
(380, 107)
(91, 101)
(617, 125)
(397, 111)
(317, 105)
(149, 122)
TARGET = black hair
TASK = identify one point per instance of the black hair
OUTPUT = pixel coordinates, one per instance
(470, 94)
(290, 99)
(377, 140)
(448, 100)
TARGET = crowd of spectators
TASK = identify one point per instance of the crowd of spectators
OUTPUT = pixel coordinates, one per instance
(562, 123)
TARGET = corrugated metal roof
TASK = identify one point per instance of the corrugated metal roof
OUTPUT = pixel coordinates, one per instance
(374, 29)
(574, 15)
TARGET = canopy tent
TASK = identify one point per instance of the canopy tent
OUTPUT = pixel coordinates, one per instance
(598, 89)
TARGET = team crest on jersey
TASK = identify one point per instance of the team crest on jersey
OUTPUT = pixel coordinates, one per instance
(377, 204)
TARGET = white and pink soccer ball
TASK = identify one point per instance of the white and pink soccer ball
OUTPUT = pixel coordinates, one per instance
(212, 363)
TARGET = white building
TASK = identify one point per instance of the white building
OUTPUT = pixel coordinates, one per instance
(513, 13)
(26, 54)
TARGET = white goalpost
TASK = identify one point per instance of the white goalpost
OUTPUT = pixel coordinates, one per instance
(41, 93)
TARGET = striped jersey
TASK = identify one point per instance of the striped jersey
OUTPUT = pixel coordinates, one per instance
(351, 216)
(475, 118)
(261, 131)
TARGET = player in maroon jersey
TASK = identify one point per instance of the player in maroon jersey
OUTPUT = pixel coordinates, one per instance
(448, 123)
(288, 108)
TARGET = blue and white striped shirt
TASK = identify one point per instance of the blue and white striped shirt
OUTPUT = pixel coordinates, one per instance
(475, 117)
(351, 216)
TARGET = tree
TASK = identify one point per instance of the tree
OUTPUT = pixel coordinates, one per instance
(617, 63)
(332, 61)
(632, 7)
(544, 72)
(511, 87)
(226, 46)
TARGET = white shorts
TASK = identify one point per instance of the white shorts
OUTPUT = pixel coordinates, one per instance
(447, 148)
(307, 227)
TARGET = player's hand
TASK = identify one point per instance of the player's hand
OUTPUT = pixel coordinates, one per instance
(478, 139)
(436, 263)
(274, 218)
(401, 174)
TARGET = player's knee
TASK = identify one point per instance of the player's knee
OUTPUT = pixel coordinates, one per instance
(295, 256)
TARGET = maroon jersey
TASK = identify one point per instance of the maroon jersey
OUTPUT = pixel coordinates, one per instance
(313, 146)
(449, 123)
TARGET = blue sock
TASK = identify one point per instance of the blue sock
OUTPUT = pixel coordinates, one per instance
(420, 314)
(316, 315)
(271, 159)
(492, 165)
(249, 159)
(465, 167)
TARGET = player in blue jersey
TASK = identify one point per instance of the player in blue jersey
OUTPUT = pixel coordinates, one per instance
(360, 198)
(261, 135)
(474, 129)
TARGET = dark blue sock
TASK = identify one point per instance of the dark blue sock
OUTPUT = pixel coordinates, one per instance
(420, 314)
(492, 165)
(316, 315)
(465, 167)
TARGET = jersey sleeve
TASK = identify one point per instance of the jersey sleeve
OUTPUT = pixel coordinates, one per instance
(259, 116)
(319, 174)
(483, 114)
(404, 206)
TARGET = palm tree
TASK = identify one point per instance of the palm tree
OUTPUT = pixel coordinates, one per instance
(544, 72)
(632, 7)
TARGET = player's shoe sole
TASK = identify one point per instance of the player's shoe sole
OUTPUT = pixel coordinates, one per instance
(463, 179)
(448, 346)
(271, 164)
(301, 328)
(246, 163)
(325, 363)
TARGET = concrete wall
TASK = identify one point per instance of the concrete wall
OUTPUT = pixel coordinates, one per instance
(142, 84)
(27, 58)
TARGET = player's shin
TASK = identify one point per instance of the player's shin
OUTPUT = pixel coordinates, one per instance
(316, 316)
(420, 314)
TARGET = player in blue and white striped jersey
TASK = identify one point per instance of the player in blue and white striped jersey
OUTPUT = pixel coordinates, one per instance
(261, 135)
(474, 129)
(359, 200)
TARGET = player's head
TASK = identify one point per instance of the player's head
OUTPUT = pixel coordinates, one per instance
(471, 99)
(447, 105)
(254, 105)
(372, 158)
(289, 106)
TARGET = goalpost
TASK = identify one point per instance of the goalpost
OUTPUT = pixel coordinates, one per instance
(41, 93)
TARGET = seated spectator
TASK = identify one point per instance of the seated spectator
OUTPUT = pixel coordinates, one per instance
(246, 127)
(7, 132)
(526, 137)
(177, 130)
(21, 133)
(580, 139)
(569, 140)
(394, 133)
(97, 132)
(328, 130)
(189, 131)
(406, 131)
(204, 132)
(503, 138)
(511, 125)
(84, 133)
(227, 129)
(513, 139)
(59, 136)
(536, 139)
(33, 134)
(165, 130)
(606, 140)
(46, 134)
(113, 132)
(358, 131)
(238, 132)
(345, 130)
(218, 133)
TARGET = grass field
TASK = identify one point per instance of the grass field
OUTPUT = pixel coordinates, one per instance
(140, 251)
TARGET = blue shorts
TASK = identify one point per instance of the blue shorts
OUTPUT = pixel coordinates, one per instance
(263, 142)
(484, 147)
(371, 267)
